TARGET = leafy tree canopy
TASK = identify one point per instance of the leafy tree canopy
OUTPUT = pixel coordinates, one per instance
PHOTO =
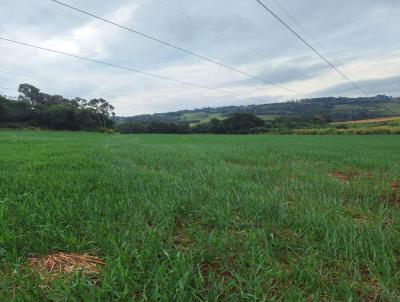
(37, 109)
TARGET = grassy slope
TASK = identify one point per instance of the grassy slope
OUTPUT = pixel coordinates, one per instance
(203, 117)
(372, 121)
(379, 122)
(180, 218)
(382, 108)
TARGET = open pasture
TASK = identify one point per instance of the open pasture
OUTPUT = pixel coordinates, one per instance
(201, 218)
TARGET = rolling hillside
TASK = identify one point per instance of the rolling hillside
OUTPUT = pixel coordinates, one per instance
(335, 109)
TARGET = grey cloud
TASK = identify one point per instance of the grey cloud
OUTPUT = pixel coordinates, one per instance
(388, 86)
(294, 70)
(359, 31)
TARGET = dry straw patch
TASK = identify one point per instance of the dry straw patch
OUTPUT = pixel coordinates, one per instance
(63, 263)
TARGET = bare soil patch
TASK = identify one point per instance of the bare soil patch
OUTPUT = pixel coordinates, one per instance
(345, 176)
(395, 194)
(214, 267)
(391, 194)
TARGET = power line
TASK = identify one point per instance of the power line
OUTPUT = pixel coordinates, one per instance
(6, 88)
(72, 98)
(38, 77)
(310, 46)
(57, 79)
(121, 67)
(86, 98)
(177, 47)
(306, 31)
(209, 27)
(52, 79)
(7, 96)
(67, 82)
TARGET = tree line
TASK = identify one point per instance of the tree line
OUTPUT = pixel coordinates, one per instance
(236, 123)
(336, 109)
(34, 108)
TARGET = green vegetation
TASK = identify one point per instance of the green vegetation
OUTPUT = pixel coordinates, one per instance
(238, 123)
(313, 116)
(165, 127)
(201, 117)
(202, 218)
(349, 131)
(329, 108)
(363, 127)
(37, 109)
(393, 121)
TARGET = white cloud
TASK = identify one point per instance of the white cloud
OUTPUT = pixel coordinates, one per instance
(361, 36)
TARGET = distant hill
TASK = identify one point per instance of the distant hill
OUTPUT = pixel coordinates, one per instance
(335, 109)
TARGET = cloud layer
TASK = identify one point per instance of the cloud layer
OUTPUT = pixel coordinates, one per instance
(359, 34)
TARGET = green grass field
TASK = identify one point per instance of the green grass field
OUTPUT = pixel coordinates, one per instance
(201, 117)
(202, 218)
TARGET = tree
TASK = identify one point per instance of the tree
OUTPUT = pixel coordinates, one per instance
(104, 111)
(29, 93)
(34, 108)
(241, 122)
(238, 123)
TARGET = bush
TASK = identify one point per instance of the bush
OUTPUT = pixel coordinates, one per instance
(238, 123)
(14, 126)
(106, 130)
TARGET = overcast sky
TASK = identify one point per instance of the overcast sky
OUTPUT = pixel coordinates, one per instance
(361, 37)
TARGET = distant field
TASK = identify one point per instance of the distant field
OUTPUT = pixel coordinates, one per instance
(201, 117)
(268, 117)
(337, 109)
(202, 218)
(369, 121)
(204, 117)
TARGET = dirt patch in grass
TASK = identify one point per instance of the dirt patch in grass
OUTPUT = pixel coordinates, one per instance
(359, 219)
(214, 270)
(181, 237)
(345, 176)
(357, 215)
(392, 194)
(395, 194)
(182, 241)
(214, 267)
(368, 288)
(63, 263)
